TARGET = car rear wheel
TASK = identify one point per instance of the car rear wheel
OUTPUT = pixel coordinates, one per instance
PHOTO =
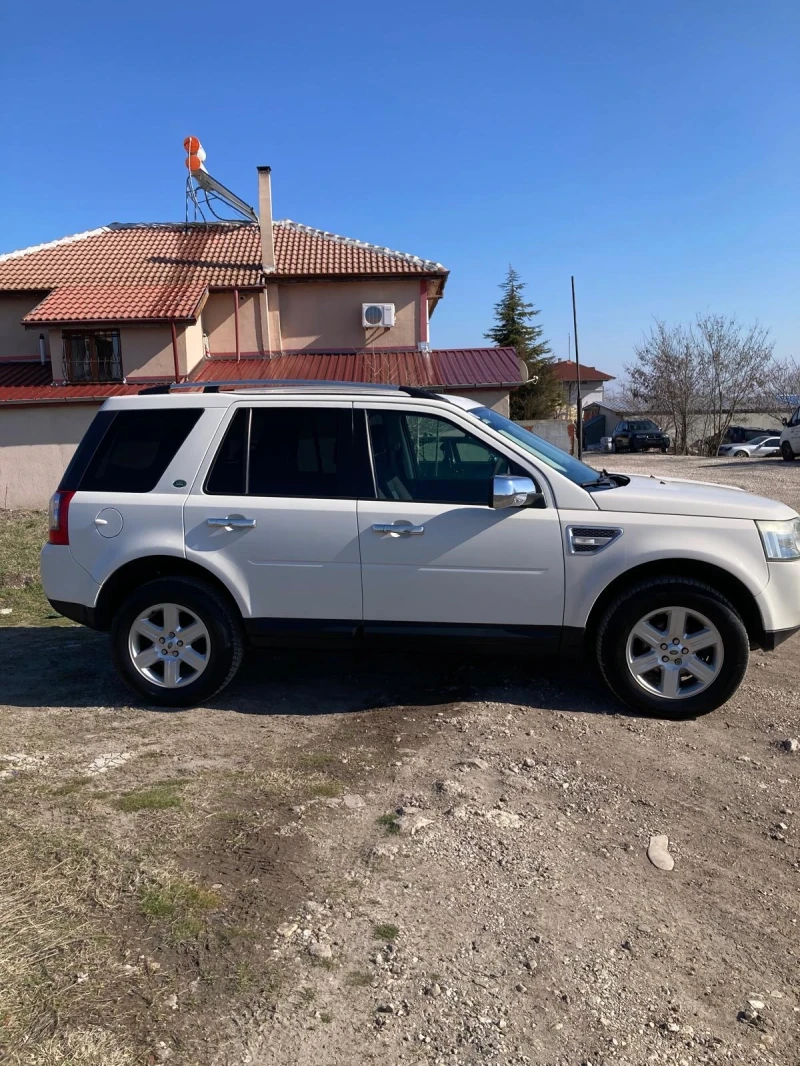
(176, 641)
(672, 647)
(786, 451)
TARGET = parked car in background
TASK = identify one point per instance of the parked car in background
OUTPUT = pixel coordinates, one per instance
(638, 435)
(189, 525)
(759, 447)
(790, 438)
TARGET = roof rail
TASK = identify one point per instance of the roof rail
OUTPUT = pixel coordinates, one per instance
(283, 383)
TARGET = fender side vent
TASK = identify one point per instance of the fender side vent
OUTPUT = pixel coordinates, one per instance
(589, 540)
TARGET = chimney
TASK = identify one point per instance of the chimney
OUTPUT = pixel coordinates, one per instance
(265, 219)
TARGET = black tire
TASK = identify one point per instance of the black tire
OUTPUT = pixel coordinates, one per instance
(221, 620)
(786, 452)
(741, 455)
(663, 449)
(645, 597)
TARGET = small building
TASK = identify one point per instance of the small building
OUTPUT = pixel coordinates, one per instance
(126, 306)
(592, 385)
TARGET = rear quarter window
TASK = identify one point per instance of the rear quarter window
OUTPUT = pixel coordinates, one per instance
(128, 451)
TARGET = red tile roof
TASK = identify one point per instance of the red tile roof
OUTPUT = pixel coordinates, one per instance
(219, 255)
(564, 370)
(446, 368)
(118, 303)
(35, 394)
(20, 374)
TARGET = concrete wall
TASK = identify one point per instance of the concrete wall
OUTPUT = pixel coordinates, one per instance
(326, 316)
(36, 444)
(555, 430)
(16, 342)
(147, 351)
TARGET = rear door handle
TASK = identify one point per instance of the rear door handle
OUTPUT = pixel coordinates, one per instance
(233, 521)
(397, 530)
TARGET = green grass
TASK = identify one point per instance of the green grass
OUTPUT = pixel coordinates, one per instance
(182, 905)
(22, 534)
(158, 797)
(329, 789)
(326, 1017)
(73, 785)
(390, 823)
(385, 931)
(359, 979)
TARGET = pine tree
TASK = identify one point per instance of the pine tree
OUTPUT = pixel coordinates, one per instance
(541, 395)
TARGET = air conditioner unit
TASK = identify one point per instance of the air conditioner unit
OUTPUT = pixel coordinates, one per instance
(375, 316)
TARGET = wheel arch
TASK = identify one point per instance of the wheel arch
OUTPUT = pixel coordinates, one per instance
(729, 585)
(138, 571)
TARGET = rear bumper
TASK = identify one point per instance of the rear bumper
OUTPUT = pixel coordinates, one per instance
(78, 612)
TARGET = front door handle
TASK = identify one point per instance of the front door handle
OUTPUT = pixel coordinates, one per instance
(397, 530)
(233, 521)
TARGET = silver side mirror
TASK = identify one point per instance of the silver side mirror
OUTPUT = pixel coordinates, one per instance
(514, 492)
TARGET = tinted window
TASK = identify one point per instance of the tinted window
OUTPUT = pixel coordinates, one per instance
(305, 452)
(430, 460)
(644, 426)
(229, 469)
(85, 450)
(136, 449)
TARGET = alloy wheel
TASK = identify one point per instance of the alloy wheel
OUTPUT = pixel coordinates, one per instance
(169, 645)
(674, 652)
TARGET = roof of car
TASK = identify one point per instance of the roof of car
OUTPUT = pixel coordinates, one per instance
(224, 393)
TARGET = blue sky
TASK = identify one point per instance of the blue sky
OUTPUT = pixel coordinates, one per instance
(651, 150)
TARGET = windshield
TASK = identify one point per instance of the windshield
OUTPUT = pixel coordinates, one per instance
(646, 425)
(541, 449)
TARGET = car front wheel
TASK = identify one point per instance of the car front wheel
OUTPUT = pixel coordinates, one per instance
(672, 647)
(741, 455)
(786, 451)
(176, 641)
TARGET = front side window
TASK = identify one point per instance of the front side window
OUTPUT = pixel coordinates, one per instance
(92, 355)
(430, 460)
(302, 452)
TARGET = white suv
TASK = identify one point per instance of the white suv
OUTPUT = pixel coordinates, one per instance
(191, 523)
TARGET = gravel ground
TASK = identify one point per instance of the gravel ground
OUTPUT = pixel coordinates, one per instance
(433, 862)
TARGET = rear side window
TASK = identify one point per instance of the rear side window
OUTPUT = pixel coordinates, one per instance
(130, 450)
(305, 452)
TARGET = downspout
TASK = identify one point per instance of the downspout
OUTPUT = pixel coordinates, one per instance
(236, 323)
(175, 353)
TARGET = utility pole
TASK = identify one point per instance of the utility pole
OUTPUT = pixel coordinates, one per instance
(579, 420)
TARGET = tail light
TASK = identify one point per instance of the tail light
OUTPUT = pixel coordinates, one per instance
(59, 517)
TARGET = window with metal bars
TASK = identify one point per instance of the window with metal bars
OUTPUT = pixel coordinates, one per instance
(92, 355)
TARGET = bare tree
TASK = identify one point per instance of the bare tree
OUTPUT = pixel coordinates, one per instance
(666, 377)
(701, 375)
(780, 391)
(734, 361)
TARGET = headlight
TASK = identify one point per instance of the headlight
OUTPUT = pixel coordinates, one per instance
(781, 540)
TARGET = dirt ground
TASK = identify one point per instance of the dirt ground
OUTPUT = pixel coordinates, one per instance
(352, 860)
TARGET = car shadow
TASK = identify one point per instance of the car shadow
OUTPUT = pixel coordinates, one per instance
(755, 461)
(71, 667)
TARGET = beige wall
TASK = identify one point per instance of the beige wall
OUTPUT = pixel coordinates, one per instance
(219, 324)
(190, 346)
(496, 399)
(15, 340)
(327, 315)
(36, 444)
(147, 351)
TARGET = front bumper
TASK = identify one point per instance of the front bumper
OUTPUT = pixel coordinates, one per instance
(779, 603)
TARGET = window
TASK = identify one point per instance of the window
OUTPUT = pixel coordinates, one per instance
(92, 356)
(133, 452)
(645, 425)
(305, 452)
(430, 460)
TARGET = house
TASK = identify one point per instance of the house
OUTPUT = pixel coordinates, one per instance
(592, 385)
(126, 306)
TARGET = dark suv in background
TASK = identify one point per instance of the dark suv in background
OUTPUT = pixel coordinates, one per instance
(638, 435)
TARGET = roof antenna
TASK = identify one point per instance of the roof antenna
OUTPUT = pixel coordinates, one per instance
(211, 191)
